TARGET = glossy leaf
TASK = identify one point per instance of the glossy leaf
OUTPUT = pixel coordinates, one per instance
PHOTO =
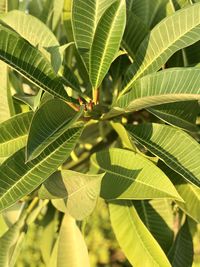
(173, 85)
(189, 193)
(79, 191)
(53, 187)
(106, 41)
(14, 133)
(181, 254)
(161, 44)
(150, 12)
(41, 36)
(172, 146)
(191, 196)
(129, 230)
(155, 223)
(28, 176)
(83, 191)
(85, 17)
(131, 176)
(134, 34)
(72, 250)
(6, 104)
(123, 135)
(181, 114)
(49, 122)
(30, 62)
(164, 208)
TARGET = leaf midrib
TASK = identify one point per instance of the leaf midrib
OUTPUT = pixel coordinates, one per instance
(156, 97)
(30, 78)
(142, 141)
(142, 243)
(138, 74)
(32, 169)
(37, 151)
(106, 45)
(172, 116)
(83, 187)
(128, 178)
(9, 142)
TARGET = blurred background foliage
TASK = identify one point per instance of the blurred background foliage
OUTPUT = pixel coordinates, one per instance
(102, 245)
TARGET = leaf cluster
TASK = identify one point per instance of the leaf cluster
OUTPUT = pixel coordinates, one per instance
(100, 99)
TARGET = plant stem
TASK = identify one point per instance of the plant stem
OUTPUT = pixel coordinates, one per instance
(76, 108)
(95, 96)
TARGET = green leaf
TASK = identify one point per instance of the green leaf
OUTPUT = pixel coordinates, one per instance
(59, 204)
(139, 246)
(195, 232)
(49, 122)
(106, 41)
(150, 12)
(28, 176)
(172, 85)
(181, 254)
(7, 243)
(181, 114)
(85, 17)
(6, 104)
(177, 4)
(30, 62)
(53, 187)
(69, 79)
(41, 36)
(189, 193)
(123, 135)
(134, 34)
(80, 191)
(83, 191)
(155, 223)
(12, 214)
(131, 176)
(72, 250)
(161, 44)
(191, 196)
(14, 133)
(171, 145)
(32, 101)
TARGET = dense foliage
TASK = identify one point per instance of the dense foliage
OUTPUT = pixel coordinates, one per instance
(99, 102)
